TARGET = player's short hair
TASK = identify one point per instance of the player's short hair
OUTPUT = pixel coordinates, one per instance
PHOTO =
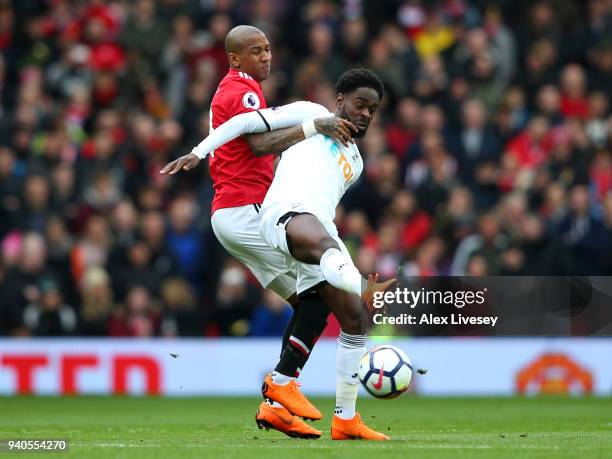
(360, 78)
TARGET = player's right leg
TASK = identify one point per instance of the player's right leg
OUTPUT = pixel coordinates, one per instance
(311, 242)
(352, 315)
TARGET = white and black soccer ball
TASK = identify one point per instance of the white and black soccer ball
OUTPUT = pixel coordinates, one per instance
(385, 371)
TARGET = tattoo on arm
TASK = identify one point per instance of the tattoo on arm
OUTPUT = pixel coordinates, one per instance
(275, 141)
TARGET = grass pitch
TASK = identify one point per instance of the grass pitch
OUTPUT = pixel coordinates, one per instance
(224, 428)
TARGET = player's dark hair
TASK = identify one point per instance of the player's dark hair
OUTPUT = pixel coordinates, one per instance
(360, 78)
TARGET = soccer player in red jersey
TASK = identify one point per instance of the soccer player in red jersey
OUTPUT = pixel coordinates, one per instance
(242, 171)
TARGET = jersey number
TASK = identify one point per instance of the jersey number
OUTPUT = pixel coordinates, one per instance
(347, 170)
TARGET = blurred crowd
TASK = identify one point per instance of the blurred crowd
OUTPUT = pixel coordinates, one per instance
(491, 154)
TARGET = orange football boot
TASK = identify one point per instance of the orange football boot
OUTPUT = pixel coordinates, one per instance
(278, 418)
(290, 397)
(374, 286)
(353, 429)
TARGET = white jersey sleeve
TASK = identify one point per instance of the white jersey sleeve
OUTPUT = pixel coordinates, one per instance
(292, 114)
(267, 119)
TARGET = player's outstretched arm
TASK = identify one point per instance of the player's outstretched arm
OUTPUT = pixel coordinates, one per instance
(269, 119)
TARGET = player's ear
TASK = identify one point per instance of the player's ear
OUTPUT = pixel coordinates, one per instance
(234, 60)
(339, 99)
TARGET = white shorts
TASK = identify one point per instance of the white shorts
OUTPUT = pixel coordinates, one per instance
(273, 233)
(237, 229)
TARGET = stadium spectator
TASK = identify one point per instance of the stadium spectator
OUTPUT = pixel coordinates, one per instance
(401, 134)
(48, 315)
(235, 301)
(583, 234)
(138, 317)
(180, 316)
(184, 240)
(97, 302)
(477, 141)
(24, 279)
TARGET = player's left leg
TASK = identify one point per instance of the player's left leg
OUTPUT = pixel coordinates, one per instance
(281, 386)
(351, 314)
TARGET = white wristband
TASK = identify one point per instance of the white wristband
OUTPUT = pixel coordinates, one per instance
(309, 128)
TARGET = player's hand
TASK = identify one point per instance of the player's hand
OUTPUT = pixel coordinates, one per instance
(186, 163)
(336, 128)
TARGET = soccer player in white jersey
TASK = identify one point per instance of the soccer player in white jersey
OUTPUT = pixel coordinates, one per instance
(297, 219)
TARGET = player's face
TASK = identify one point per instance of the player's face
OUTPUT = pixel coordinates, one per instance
(359, 107)
(256, 57)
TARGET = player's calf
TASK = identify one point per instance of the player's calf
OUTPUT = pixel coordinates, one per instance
(308, 322)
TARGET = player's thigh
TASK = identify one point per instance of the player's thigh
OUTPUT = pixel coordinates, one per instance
(237, 229)
(305, 230)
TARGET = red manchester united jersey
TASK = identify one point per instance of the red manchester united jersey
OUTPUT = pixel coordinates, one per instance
(239, 177)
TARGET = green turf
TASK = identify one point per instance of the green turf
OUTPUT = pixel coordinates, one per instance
(224, 428)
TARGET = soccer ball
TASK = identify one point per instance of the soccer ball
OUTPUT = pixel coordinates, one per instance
(385, 371)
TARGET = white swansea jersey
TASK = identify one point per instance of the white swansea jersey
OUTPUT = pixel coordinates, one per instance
(314, 175)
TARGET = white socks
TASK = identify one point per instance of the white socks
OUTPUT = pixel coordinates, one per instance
(281, 379)
(338, 269)
(348, 354)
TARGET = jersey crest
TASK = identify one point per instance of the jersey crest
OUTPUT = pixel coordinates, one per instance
(250, 100)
